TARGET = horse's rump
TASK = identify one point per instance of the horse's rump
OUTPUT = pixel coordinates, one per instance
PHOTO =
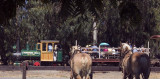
(140, 62)
(81, 64)
(82, 60)
(140, 58)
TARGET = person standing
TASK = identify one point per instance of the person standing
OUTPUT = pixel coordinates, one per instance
(49, 47)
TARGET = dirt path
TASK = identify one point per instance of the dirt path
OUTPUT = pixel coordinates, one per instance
(50, 74)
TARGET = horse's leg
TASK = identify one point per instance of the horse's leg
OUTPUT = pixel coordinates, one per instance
(87, 76)
(124, 75)
(78, 77)
(130, 76)
(146, 75)
(91, 75)
(137, 76)
(71, 77)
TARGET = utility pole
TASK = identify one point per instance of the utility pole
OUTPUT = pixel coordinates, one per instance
(17, 23)
(94, 32)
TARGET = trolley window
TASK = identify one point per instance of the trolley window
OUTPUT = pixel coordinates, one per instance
(43, 46)
(38, 46)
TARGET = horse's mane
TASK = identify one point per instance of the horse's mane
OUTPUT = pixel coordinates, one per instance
(75, 50)
(126, 46)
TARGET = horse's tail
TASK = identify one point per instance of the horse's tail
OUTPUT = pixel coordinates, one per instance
(145, 66)
(144, 60)
(145, 63)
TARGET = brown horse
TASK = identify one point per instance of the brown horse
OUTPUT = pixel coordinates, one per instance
(80, 64)
(134, 64)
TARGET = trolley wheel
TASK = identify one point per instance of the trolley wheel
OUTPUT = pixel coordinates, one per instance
(36, 63)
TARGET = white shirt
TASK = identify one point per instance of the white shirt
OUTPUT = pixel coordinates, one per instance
(50, 47)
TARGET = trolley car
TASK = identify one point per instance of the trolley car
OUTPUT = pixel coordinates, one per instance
(106, 55)
(47, 52)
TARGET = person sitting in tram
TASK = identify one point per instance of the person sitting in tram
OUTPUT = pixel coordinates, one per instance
(135, 49)
(50, 47)
(105, 49)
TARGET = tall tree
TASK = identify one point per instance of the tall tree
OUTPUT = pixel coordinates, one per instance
(7, 11)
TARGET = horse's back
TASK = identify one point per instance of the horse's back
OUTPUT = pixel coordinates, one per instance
(82, 56)
(82, 59)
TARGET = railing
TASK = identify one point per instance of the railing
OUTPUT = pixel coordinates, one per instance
(111, 53)
(95, 50)
(143, 50)
(104, 53)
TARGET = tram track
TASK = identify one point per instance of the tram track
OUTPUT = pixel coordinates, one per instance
(65, 68)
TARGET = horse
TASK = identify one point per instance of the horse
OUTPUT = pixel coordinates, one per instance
(134, 64)
(80, 64)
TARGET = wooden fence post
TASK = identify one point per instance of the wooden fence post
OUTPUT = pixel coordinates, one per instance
(24, 67)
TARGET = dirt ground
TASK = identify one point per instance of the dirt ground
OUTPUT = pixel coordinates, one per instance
(51, 74)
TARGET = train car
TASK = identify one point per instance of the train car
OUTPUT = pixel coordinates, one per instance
(50, 52)
(46, 52)
(103, 54)
(106, 55)
(155, 61)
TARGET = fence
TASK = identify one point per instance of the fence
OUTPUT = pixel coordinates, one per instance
(112, 52)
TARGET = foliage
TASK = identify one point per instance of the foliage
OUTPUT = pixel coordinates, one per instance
(70, 20)
(7, 11)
